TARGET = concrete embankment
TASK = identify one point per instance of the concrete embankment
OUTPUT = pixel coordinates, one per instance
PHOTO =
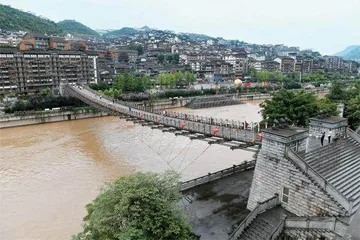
(17, 121)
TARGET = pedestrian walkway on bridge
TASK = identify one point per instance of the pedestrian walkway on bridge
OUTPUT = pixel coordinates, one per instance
(234, 134)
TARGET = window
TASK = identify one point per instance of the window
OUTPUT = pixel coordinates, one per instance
(285, 195)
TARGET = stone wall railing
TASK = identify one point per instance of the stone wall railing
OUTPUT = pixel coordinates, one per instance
(230, 130)
(353, 135)
(261, 207)
(314, 175)
(319, 223)
(278, 230)
(217, 175)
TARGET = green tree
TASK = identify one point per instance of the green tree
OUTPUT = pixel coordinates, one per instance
(142, 206)
(352, 112)
(169, 58)
(252, 73)
(337, 92)
(298, 107)
(161, 59)
(140, 49)
(190, 78)
(176, 58)
(46, 92)
(263, 76)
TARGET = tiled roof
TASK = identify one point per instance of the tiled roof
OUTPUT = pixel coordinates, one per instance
(339, 164)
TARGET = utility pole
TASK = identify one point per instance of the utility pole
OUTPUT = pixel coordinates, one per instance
(300, 76)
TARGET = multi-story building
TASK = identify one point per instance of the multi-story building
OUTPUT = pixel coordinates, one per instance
(30, 71)
(298, 66)
(307, 66)
(287, 64)
(350, 66)
(318, 65)
(127, 56)
(39, 41)
(239, 61)
(333, 64)
(271, 66)
(59, 43)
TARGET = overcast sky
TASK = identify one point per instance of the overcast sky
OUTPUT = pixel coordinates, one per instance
(324, 25)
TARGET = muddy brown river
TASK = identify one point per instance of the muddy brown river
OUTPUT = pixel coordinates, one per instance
(49, 172)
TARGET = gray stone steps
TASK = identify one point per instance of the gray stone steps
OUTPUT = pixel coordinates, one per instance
(339, 164)
(347, 178)
(336, 162)
(264, 224)
(351, 190)
(348, 164)
(315, 151)
(336, 150)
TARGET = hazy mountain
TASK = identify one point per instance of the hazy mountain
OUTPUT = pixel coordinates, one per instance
(14, 19)
(75, 28)
(350, 53)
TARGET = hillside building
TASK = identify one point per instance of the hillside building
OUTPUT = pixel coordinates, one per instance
(30, 71)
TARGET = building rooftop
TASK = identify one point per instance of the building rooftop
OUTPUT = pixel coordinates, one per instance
(286, 132)
(44, 51)
(215, 209)
(331, 119)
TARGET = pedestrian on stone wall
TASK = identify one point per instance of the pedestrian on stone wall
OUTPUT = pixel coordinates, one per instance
(329, 135)
(322, 139)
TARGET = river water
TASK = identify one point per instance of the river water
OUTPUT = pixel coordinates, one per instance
(49, 172)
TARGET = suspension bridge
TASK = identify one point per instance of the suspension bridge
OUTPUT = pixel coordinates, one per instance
(230, 133)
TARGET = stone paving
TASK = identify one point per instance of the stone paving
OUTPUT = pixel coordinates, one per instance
(215, 209)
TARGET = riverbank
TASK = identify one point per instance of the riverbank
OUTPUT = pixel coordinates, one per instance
(47, 117)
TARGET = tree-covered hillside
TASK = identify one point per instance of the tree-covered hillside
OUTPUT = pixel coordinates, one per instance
(121, 32)
(14, 19)
(75, 28)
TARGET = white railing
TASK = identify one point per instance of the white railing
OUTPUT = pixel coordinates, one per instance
(313, 174)
(260, 207)
(217, 175)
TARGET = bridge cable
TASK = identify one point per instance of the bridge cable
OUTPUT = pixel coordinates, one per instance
(151, 149)
(162, 136)
(172, 149)
(182, 161)
(180, 151)
(195, 159)
(168, 145)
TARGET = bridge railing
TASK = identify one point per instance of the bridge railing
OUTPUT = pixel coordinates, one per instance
(217, 175)
(184, 116)
(193, 123)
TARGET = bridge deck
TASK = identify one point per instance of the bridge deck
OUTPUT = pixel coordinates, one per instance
(208, 127)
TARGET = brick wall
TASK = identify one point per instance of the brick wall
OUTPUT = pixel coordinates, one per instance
(318, 127)
(305, 199)
(273, 172)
